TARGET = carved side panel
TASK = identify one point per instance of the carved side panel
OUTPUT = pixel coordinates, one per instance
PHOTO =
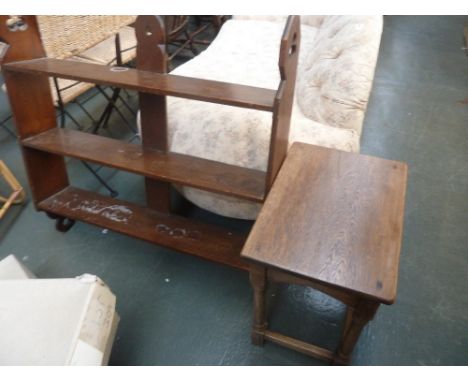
(289, 53)
(31, 104)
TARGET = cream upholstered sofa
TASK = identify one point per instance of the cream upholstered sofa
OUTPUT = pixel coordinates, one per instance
(336, 66)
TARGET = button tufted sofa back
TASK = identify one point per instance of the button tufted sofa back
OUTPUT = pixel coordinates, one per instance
(335, 78)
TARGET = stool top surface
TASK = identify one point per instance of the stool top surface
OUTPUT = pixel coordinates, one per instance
(335, 218)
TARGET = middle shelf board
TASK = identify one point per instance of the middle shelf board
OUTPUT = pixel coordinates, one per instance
(175, 168)
(175, 232)
(149, 82)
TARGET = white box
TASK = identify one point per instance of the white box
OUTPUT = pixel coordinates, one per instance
(12, 268)
(54, 321)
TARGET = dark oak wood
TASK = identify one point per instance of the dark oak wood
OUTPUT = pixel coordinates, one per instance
(278, 276)
(258, 280)
(300, 346)
(150, 82)
(23, 44)
(356, 319)
(151, 56)
(45, 146)
(170, 167)
(32, 108)
(289, 54)
(333, 221)
(171, 231)
(336, 218)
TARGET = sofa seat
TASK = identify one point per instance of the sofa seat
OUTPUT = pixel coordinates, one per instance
(246, 52)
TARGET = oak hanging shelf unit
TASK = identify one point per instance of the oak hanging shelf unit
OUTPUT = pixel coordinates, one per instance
(45, 146)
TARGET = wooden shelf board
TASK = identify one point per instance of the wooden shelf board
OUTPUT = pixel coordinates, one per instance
(149, 82)
(171, 167)
(171, 231)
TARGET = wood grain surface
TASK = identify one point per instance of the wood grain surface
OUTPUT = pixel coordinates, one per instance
(152, 57)
(171, 231)
(279, 140)
(150, 82)
(171, 167)
(32, 107)
(336, 218)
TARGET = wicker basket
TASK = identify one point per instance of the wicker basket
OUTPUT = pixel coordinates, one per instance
(67, 36)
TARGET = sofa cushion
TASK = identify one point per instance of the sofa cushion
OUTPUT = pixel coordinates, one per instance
(245, 52)
(256, 151)
(224, 133)
(335, 78)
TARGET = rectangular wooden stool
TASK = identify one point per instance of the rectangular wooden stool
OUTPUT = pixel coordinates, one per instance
(332, 221)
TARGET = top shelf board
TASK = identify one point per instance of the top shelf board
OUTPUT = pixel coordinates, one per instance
(149, 82)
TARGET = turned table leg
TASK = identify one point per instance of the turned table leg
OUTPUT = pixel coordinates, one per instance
(348, 320)
(259, 283)
(356, 318)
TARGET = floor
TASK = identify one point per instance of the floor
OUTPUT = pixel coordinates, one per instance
(178, 310)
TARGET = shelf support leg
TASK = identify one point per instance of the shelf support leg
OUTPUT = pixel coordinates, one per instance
(259, 283)
(151, 56)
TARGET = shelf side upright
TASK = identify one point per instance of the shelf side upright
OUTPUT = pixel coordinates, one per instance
(31, 105)
(288, 59)
(152, 57)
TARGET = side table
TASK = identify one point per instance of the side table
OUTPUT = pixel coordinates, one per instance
(332, 221)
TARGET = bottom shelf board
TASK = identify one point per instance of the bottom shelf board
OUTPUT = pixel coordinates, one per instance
(175, 232)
